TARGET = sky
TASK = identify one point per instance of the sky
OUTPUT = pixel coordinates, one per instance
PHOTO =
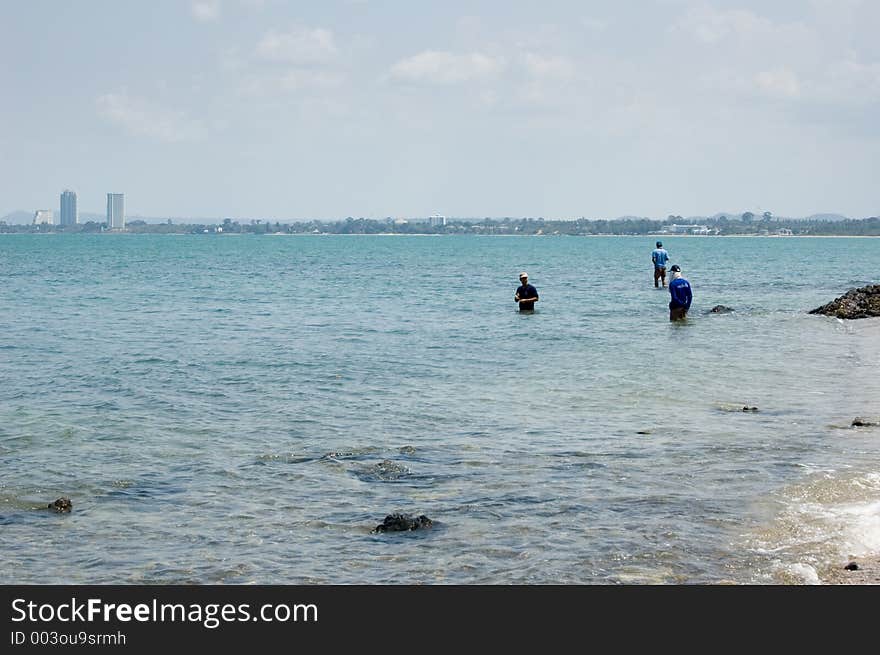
(288, 110)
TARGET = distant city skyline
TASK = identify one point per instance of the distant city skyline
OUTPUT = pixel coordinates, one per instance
(560, 109)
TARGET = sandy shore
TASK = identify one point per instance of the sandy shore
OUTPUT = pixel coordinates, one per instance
(867, 573)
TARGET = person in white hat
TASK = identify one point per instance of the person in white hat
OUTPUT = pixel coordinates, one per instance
(680, 294)
(526, 295)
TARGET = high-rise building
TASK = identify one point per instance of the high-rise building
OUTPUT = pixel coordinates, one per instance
(116, 211)
(69, 213)
(44, 216)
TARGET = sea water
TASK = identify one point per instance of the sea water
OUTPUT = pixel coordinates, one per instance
(245, 409)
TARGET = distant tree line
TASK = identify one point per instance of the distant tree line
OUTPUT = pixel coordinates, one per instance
(744, 224)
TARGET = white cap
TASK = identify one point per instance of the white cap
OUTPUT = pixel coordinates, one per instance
(522, 275)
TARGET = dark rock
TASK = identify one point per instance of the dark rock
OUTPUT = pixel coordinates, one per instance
(61, 505)
(746, 408)
(852, 566)
(402, 523)
(720, 309)
(859, 422)
(855, 303)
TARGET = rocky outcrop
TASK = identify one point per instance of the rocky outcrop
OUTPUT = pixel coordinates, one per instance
(720, 309)
(402, 523)
(61, 505)
(861, 422)
(855, 303)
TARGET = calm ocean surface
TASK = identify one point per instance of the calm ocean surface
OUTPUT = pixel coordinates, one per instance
(245, 409)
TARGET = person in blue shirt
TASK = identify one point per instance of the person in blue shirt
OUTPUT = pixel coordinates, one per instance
(680, 291)
(526, 295)
(659, 256)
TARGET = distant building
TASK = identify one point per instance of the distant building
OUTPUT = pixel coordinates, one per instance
(437, 220)
(116, 211)
(69, 213)
(44, 216)
(685, 229)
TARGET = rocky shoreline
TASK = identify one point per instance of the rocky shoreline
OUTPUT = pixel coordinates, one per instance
(855, 303)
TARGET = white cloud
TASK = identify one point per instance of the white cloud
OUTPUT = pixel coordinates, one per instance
(594, 24)
(711, 26)
(205, 10)
(446, 67)
(780, 82)
(848, 81)
(298, 46)
(548, 66)
(268, 86)
(140, 117)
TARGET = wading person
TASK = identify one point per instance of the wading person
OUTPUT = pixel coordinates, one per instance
(659, 256)
(526, 295)
(681, 295)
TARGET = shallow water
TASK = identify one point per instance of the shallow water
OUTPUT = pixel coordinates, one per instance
(244, 409)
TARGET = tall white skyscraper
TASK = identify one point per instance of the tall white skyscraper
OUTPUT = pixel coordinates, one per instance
(69, 213)
(116, 211)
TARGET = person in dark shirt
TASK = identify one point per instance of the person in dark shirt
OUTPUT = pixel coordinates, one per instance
(681, 295)
(526, 294)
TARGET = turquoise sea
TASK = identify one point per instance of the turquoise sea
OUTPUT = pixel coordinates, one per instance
(245, 409)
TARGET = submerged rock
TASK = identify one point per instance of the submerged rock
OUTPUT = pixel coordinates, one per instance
(855, 303)
(859, 422)
(720, 309)
(731, 407)
(61, 505)
(402, 523)
(384, 471)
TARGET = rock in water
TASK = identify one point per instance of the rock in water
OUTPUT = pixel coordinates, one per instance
(855, 303)
(61, 505)
(720, 309)
(402, 523)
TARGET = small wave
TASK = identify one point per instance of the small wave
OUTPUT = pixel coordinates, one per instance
(826, 519)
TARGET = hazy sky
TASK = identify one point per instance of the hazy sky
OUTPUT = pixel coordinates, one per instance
(285, 110)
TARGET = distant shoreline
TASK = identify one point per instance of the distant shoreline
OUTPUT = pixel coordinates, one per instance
(469, 234)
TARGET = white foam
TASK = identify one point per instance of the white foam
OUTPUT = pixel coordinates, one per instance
(860, 528)
(804, 571)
